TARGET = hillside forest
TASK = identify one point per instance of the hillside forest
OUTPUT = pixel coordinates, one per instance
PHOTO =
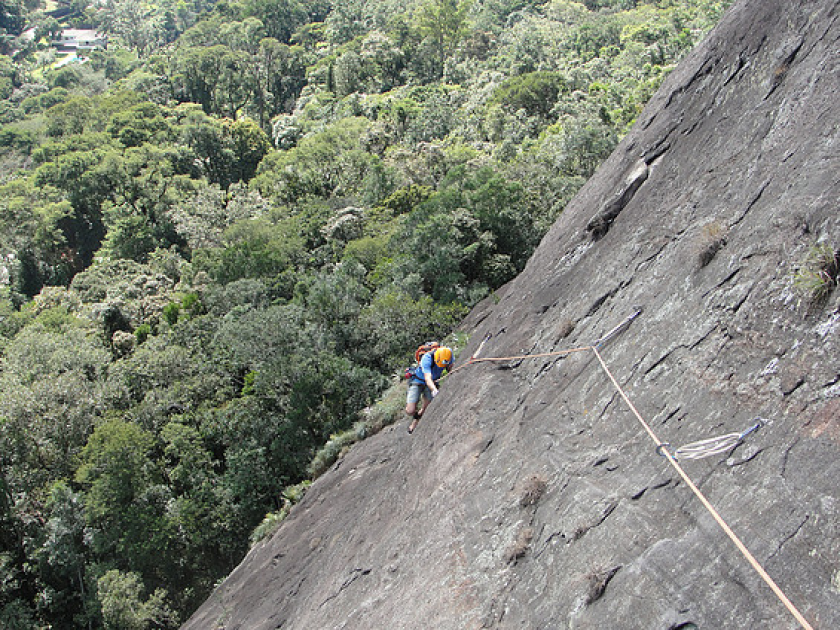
(224, 234)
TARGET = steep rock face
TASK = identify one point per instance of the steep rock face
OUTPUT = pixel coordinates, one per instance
(531, 496)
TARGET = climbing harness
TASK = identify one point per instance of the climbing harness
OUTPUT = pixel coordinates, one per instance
(695, 450)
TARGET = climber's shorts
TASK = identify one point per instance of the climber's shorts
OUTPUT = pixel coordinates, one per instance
(414, 392)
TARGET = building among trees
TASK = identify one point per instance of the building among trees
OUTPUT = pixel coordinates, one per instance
(75, 39)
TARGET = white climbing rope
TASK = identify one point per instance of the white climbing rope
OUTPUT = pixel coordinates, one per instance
(715, 445)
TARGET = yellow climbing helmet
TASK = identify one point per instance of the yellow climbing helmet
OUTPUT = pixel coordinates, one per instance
(443, 357)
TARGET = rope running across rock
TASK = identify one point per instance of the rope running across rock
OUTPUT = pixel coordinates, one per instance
(695, 450)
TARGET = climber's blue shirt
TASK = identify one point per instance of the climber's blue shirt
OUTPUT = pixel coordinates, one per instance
(427, 365)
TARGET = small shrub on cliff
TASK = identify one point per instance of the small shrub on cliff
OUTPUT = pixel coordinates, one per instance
(597, 583)
(388, 409)
(816, 276)
(712, 239)
(532, 490)
(520, 545)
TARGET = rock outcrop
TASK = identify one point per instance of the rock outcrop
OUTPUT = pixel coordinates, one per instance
(530, 496)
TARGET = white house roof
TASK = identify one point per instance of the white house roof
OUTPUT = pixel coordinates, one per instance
(81, 37)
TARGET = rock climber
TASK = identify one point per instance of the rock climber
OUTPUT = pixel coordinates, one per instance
(423, 382)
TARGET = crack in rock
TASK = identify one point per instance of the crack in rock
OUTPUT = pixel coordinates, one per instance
(781, 70)
(354, 575)
(582, 530)
(786, 456)
(790, 536)
(746, 458)
(750, 204)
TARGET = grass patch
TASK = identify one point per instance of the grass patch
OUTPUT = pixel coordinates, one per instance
(384, 412)
(272, 521)
(815, 277)
(336, 446)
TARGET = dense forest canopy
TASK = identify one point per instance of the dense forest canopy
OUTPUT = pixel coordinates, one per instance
(224, 232)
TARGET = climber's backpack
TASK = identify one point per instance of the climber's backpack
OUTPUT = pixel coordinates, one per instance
(429, 346)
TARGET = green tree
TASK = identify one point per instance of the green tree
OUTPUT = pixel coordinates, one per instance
(393, 321)
(254, 248)
(326, 393)
(12, 19)
(125, 502)
(138, 219)
(264, 453)
(444, 22)
(199, 72)
(328, 163)
(138, 125)
(250, 145)
(334, 300)
(345, 21)
(123, 606)
(473, 235)
(228, 151)
(36, 227)
(347, 73)
(535, 92)
(50, 392)
(168, 372)
(279, 76)
(136, 23)
(280, 17)
(203, 218)
(62, 559)
(69, 118)
(16, 588)
(89, 177)
(592, 37)
(202, 512)
(9, 78)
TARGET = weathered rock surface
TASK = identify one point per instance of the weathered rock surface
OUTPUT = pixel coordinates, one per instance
(530, 496)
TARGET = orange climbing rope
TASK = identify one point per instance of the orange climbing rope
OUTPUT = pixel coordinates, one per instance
(661, 448)
(475, 359)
